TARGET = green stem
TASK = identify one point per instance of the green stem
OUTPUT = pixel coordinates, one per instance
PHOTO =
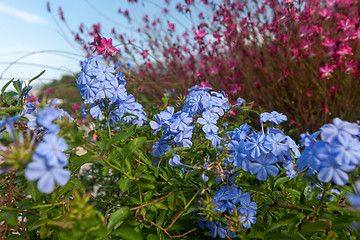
(326, 188)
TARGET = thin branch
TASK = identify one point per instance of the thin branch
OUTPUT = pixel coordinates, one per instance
(146, 204)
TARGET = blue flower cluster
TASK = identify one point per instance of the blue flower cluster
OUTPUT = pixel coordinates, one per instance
(105, 91)
(49, 159)
(260, 152)
(230, 200)
(337, 153)
(200, 107)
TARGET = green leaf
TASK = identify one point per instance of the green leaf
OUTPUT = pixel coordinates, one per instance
(147, 177)
(73, 183)
(7, 96)
(124, 184)
(160, 205)
(123, 136)
(280, 181)
(152, 237)
(331, 235)
(127, 233)
(175, 150)
(13, 109)
(314, 227)
(147, 185)
(3, 89)
(134, 145)
(9, 215)
(37, 76)
(118, 216)
(17, 86)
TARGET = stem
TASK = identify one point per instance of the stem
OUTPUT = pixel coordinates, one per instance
(187, 205)
(327, 186)
(108, 123)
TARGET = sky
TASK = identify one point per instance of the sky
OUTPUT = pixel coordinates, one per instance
(32, 39)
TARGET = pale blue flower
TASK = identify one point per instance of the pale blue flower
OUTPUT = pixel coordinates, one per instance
(46, 175)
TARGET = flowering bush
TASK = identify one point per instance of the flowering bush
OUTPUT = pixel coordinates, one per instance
(304, 51)
(185, 171)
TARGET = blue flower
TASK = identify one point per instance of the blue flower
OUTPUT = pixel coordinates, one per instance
(95, 112)
(264, 166)
(246, 204)
(248, 219)
(307, 139)
(312, 155)
(175, 161)
(46, 118)
(181, 122)
(255, 145)
(331, 170)
(331, 131)
(238, 152)
(273, 117)
(209, 120)
(240, 133)
(276, 143)
(51, 149)
(89, 90)
(47, 175)
(240, 101)
(102, 72)
(346, 149)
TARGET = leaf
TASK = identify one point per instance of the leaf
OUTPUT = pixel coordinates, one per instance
(160, 205)
(147, 177)
(119, 215)
(134, 145)
(331, 235)
(9, 215)
(127, 233)
(123, 136)
(37, 76)
(280, 181)
(314, 227)
(124, 184)
(3, 89)
(13, 109)
(152, 237)
(17, 86)
(175, 150)
(73, 183)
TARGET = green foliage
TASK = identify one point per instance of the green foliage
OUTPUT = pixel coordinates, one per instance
(118, 190)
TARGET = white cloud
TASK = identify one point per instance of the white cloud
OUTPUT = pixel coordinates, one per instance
(23, 15)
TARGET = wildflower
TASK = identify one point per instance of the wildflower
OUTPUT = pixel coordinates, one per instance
(52, 149)
(47, 175)
(209, 120)
(264, 166)
(327, 70)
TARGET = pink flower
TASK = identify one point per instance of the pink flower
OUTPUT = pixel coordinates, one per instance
(327, 70)
(49, 92)
(350, 67)
(75, 107)
(171, 27)
(205, 84)
(106, 47)
(344, 50)
(144, 53)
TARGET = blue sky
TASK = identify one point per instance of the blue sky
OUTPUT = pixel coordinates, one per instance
(31, 33)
